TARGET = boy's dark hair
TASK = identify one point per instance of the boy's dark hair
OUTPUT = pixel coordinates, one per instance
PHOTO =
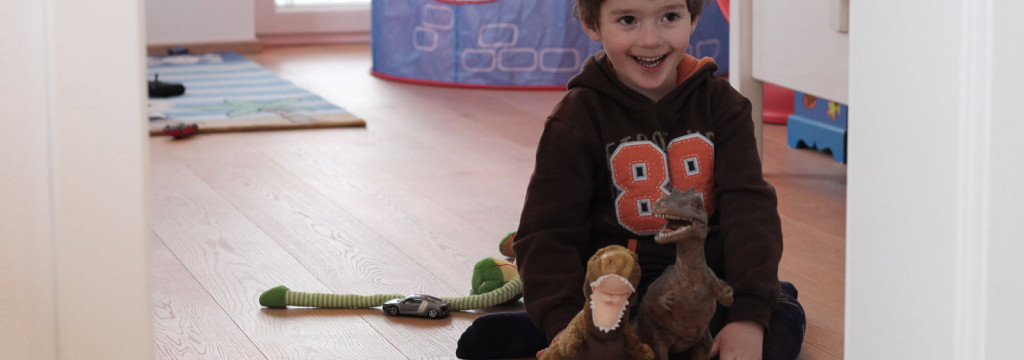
(586, 11)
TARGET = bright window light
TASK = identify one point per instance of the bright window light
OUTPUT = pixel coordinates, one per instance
(317, 3)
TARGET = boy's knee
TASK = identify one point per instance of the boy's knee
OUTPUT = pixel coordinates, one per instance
(500, 335)
(788, 324)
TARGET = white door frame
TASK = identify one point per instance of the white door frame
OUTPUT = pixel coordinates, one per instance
(76, 256)
(934, 180)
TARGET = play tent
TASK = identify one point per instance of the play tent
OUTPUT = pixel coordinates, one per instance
(499, 43)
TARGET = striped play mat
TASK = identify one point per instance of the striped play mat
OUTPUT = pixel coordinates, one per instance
(226, 92)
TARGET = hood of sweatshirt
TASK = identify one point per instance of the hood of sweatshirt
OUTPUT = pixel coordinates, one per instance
(598, 74)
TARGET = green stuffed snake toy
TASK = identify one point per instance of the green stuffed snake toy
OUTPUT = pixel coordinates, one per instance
(495, 282)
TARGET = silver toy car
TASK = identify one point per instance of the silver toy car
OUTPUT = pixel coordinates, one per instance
(417, 304)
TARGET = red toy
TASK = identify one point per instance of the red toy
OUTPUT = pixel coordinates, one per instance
(181, 130)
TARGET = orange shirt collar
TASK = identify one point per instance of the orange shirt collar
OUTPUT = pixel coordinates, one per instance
(689, 66)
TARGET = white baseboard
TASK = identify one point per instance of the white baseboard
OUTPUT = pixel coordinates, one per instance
(315, 39)
(242, 47)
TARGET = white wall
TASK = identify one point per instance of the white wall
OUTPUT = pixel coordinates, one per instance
(1005, 275)
(934, 183)
(74, 255)
(199, 21)
(807, 29)
(26, 245)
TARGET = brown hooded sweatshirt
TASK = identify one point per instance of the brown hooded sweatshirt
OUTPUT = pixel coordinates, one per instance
(608, 152)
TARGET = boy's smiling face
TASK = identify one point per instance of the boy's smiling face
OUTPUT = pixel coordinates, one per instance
(645, 40)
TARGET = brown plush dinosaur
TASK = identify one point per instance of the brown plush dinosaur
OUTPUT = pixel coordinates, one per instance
(678, 306)
(601, 330)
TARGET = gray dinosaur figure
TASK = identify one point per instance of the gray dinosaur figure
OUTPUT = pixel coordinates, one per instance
(678, 306)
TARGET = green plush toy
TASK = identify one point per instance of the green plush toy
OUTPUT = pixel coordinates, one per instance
(495, 282)
(490, 274)
(505, 245)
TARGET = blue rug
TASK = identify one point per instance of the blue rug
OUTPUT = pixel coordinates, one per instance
(227, 92)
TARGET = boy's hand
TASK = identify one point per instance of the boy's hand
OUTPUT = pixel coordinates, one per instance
(553, 341)
(739, 340)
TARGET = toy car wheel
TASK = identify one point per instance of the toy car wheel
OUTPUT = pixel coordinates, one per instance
(392, 310)
(433, 313)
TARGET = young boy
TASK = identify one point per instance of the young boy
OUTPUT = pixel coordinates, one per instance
(640, 118)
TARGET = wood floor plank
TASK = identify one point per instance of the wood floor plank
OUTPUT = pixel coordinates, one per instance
(454, 118)
(812, 352)
(815, 266)
(535, 106)
(235, 262)
(435, 140)
(445, 245)
(810, 185)
(187, 322)
(333, 243)
(301, 217)
(437, 129)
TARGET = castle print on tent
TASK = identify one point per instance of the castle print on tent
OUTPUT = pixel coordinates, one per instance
(499, 43)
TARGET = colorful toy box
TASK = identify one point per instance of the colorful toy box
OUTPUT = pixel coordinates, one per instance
(818, 123)
(499, 43)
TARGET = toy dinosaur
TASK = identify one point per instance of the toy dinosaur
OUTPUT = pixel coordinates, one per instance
(679, 304)
(601, 330)
(489, 288)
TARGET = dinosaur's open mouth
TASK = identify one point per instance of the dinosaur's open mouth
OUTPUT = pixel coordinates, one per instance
(673, 226)
(608, 301)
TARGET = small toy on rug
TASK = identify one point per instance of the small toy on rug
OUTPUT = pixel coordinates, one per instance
(680, 303)
(601, 330)
(181, 131)
(160, 89)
